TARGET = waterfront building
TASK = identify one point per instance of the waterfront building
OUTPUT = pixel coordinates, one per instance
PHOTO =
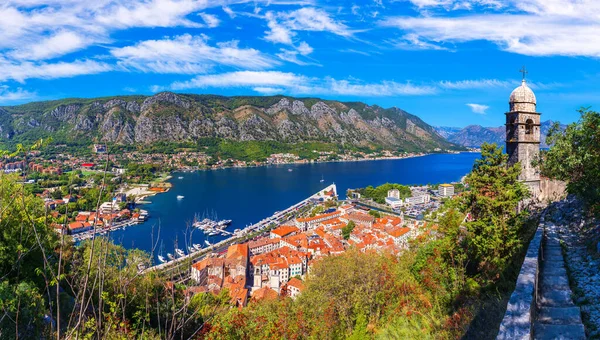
(393, 202)
(395, 193)
(420, 199)
(79, 227)
(446, 190)
(523, 134)
(282, 231)
(309, 223)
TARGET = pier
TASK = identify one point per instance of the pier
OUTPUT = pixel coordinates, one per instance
(262, 225)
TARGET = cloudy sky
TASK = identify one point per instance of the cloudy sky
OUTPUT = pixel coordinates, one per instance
(451, 62)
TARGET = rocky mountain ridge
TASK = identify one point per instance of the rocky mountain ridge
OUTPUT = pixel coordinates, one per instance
(174, 117)
(475, 135)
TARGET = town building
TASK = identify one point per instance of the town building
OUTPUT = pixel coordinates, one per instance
(446, 190)
(420, 199)
(294, 288)
(395, 193)
(393, 202)
(309, 223)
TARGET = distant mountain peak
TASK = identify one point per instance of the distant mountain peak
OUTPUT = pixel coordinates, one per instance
(475, 135)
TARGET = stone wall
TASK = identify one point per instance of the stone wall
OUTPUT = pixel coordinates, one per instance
(551, 190)
(520, 311)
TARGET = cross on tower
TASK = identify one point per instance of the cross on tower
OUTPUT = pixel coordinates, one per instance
(524, 71)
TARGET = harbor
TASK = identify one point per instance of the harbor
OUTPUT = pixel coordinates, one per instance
(278, 217)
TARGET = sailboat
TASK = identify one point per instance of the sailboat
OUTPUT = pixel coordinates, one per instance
(161, 258)
(322, 179)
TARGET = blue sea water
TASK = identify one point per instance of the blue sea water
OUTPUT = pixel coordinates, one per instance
(247, 195)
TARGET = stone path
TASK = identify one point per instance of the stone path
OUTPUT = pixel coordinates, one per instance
(557, 316)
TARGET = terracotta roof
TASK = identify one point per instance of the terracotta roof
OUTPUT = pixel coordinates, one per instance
(399, 232)
(284, 230)
(326, 216)
(294, 282)
(237, 250)
(264, 293)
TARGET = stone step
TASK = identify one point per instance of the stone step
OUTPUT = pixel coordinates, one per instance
(559, 315)
(547, 331)
(552, 250)
(558, 282)
(553, 257)
(548, 264)
(553, 271)
(555, 298)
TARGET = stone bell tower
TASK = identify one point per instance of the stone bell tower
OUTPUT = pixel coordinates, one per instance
(523, 134)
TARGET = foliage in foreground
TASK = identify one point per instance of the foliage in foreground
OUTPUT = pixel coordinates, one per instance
(575, 157)
(431, 291)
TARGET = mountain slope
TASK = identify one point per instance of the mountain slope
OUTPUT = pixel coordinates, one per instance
(174, 117)
(475, 135)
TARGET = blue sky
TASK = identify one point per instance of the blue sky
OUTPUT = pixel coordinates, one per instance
(451, 62)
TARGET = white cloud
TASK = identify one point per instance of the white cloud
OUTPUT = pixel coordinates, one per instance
(265, 81)
(277, 33)
(188, 54)
(211, 20)
(55, 46)
(7, 95)
(229, 12)
(268, 90)
(304, 48)
(283, 25)
(475, 84)
(529, 27)
(26, 70)
(478, 108)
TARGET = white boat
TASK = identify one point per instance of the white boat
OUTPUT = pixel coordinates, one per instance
(290, 170)
(191, 250)
(180, 197)
(161, 259)
(197, 246)
(207, 243)
(179, 252)
(224, 222)
(180, 177)
(170, 256)
(212, 233)
(322, 179)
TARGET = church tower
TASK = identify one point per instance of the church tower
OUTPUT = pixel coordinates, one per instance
(523, 134)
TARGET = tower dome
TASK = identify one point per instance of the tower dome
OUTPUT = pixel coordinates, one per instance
(522, 99)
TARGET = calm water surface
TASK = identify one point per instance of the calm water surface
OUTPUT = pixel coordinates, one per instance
(247, 195)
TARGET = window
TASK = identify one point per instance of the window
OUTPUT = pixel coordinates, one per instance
(528, 127)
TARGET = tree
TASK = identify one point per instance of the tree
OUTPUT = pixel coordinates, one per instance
(347, 230)
(375, 213)
(493, 201)
(575, 157)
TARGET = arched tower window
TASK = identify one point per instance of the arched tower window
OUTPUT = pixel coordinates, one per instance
(528, 126)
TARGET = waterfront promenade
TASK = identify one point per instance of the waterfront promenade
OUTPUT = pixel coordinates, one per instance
(277, 218)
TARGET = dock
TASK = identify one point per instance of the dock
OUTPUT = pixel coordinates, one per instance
(262, 225)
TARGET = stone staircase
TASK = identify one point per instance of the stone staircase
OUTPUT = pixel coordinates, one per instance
(557, 316)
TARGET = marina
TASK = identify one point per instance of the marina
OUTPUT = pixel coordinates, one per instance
(276, 218)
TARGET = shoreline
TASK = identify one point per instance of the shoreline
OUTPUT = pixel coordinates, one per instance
(319, 162)
(144, 194)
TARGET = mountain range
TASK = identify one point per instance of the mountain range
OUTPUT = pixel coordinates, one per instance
(171, 117)
(475, 135)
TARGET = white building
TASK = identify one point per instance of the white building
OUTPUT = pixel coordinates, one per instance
(446, 190)
(393, 202)
(395, 193)
(417, 199)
